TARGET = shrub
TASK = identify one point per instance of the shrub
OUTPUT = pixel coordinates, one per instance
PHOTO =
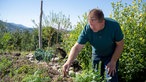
(132, 20)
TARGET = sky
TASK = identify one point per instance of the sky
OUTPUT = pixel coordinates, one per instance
(24, 11)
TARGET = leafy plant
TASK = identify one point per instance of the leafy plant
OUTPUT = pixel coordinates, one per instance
(88, 76)
(27, 69)
(36, 77)
(132, 20)
(4, 65)
(46, 56)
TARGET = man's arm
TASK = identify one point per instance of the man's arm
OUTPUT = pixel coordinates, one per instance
(73, 54)
(118, 51)
(111, 66)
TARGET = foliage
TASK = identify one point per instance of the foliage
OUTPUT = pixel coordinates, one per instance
(132, 20)
(36, 77)
(27, 40)
(50, 37)
(88, 76)
(54, 26)
(14, 69)
(3, 29)
(18, 40)
(5, 40)
(40, 54)
(60, 24)
(24, 69)
(85, 56)
(4, 65)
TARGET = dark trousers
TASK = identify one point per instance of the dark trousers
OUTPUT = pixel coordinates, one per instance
(104, 61)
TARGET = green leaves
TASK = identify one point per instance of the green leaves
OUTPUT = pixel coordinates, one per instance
(88, 76)
(36, 77)
(131, 18)
(40, 54)
(4, 64)
(5, 40)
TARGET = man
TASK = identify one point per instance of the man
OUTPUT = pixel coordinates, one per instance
(106, 39)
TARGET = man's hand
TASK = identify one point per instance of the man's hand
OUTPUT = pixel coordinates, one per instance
(111, 67)
(65, 69)
(73, 54)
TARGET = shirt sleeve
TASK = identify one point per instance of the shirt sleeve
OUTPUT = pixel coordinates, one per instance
(83, 38)
(118, 33)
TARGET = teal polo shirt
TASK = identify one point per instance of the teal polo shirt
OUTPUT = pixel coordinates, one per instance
(103, 41)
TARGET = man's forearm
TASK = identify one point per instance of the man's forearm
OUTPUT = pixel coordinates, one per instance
(74, 52)
(118, 51)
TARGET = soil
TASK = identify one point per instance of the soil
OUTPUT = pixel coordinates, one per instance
(53, 67)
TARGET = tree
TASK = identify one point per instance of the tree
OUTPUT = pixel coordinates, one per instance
(5, 41)
(57, 19)
(58, 22)
(3, 28)
(49, 35)
(16, 39)
(2, 31)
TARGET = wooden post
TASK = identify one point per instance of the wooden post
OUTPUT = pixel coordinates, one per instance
(40, 26)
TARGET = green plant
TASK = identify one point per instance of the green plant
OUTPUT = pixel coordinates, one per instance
(132, 19)
(27, 69)
(88, 76)
(40, 54)
(4, 64)
(36, 77)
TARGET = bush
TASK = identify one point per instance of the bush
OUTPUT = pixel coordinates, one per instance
(132, 20)
(40, 54)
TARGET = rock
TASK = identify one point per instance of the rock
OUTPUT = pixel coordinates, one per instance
(72, 73)
(30, 56)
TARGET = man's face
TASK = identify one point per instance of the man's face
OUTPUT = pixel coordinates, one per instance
(94, 23)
